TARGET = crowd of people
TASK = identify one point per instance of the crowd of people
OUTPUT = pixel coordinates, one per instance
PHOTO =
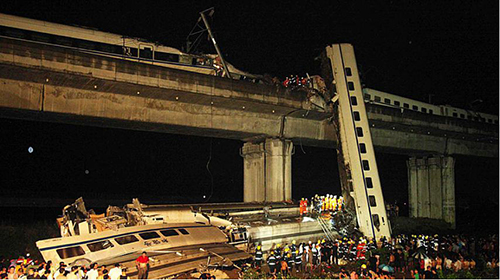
(321, 204)
(26, 268)
(47, 270)
(404, 256)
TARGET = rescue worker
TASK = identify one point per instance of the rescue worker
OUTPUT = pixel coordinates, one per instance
(341, 246)
(301, 207)
(335, 250)
(290, 262)
(334, 201)
(286, 82)
(360, 250)
(352, 250)
(305, 206)
(284, 268)
(340, 202)
(314, 251)
(298, 261)
(271, 262)
(277, 253)
(258, 257)
(293, 247)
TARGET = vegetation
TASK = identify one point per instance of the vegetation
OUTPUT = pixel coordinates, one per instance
(20, 239)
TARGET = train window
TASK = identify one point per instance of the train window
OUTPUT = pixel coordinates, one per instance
(462, 116)
(376, 221)
(387, 101)
(455, 115)
(126, 239)
(359, 131)
(415, 108)
(15, 33)
(488, 120)
(424, 110)
(354, 101)
(469, 117)
(98, 246)
(356, 116)
(475, 119)
(183, 231)
(40, 37)
(86, 45)
(369, 183)
(377, 98)
(362, 148)
(366, 165)
(169, 232)
(106, 48)
(397, 103)
(431, 111)
(348, 71)
(167, 56)
(373, 202)
(146, 52)
(481, 119)
(64, 41)
(350, 85)
(367, 96)
(149, 235)
(70, 252)
(406, 105)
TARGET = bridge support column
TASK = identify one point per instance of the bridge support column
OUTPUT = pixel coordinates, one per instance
(267, 171)
(431, 188)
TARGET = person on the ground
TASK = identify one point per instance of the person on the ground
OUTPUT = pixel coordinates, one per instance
(271, 262)
(73, 274)
(298, 261)
(258, 257)
(93, 273)
(115, 272)
(142, 263)
(124, 274)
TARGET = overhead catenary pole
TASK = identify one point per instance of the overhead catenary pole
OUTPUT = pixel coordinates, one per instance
(215, 43)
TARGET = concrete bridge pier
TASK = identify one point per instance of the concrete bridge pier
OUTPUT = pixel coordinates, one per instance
(267, 170)
(431, 188)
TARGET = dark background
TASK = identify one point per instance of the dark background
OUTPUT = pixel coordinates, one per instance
(447, 49)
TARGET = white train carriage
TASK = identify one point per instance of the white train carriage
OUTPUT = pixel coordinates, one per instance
(113, 45)
(390, 100)
(284, 232)
(109, 244)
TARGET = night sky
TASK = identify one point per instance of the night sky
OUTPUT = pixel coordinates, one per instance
(446, 49)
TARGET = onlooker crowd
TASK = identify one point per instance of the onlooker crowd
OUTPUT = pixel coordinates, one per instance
(23, 268)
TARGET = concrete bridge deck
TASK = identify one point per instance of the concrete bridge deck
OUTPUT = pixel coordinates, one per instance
(59, 84)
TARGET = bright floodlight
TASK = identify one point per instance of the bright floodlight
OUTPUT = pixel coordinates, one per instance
(86, 171)
(204, 196)
(30, 150)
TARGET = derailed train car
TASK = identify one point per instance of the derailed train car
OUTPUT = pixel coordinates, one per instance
(120, 236)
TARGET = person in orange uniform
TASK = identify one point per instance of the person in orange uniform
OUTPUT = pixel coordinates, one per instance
(301, 206)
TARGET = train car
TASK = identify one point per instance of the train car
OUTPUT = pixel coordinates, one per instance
(113, 45)
(108, 244)
(390, 100)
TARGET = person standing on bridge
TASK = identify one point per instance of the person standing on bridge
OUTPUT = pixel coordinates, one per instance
(142, 264)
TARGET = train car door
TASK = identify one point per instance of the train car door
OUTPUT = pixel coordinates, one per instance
(146, 51)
